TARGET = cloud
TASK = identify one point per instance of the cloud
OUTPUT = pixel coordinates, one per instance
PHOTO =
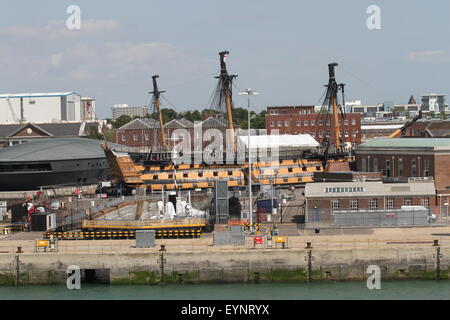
(57, 30)
(429, 56)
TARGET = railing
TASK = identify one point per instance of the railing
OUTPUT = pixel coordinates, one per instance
(142, 224)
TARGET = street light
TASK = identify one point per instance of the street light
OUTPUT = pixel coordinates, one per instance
(248, 93)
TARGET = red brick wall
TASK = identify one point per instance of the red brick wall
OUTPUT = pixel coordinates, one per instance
(316, 129)
(394, 162)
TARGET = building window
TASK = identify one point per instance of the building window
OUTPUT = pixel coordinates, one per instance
(425, 202)
(286, 123)
(272, 124)
(375, 164)
(306, 123)
(400, 167)
(388, 168)
(426, 168)
(299, 123)
(345, 122)
(354, 133)
(328, 123)
(335, 204)
(353, 122)
(346, 134)
(390, 203)
(280, 123)
(135, 137)
(354, 204)
(363, 165)
(407, 201)
(321, 123)
(373, 204)
(273, 112)
(313, 122)
(413, 168)
(147, 136)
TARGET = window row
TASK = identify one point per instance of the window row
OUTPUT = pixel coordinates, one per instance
(306, 123)
(374, 203)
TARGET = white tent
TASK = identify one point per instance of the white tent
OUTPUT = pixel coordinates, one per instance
(279, 141)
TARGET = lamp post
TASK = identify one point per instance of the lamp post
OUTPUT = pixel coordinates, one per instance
(248, 93)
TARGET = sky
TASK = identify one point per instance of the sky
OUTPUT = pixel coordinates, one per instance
(278, 48)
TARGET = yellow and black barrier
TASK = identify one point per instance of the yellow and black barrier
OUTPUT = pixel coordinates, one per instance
(122, 235)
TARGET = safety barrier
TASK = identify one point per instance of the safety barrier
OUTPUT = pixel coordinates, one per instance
(121, 235)
(142, 225)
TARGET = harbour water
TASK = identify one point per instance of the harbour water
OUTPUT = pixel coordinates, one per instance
(401, 290)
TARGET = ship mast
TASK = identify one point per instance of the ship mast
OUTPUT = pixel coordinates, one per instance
(157, 104)
(332, 99)
(226, 82)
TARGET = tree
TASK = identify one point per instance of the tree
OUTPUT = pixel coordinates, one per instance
(121, 121)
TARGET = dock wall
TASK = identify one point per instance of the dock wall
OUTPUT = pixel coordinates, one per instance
(282, 265)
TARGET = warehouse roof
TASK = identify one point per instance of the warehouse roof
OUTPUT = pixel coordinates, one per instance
(406, 143)
(53, 149)
(37, 95)
(368, 189)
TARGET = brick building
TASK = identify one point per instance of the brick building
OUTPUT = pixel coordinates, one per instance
(402, 158)
(377, 130)
(304, 120)
(324, 199)
(361, 195)
(145, 133)
(429, 129)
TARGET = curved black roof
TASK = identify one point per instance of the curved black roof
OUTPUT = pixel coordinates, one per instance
(53, 150)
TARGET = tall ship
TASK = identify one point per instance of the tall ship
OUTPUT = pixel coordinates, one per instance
(163, 169)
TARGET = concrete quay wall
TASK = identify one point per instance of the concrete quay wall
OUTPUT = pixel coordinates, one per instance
(282, 265)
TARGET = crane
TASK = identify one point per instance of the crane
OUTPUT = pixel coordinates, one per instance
(402, 130)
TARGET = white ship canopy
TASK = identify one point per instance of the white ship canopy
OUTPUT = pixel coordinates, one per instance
(300, 141)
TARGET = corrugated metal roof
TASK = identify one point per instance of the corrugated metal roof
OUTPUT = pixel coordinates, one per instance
(368, 189)
(36, 95)
(406, 143)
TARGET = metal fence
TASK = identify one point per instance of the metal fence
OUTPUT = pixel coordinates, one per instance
(407, 216)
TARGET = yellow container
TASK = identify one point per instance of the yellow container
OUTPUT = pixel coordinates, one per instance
(280, 239)
(42, 243)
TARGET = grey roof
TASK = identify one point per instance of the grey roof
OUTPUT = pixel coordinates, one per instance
(61, 129)
(214, 122)
(7, 129)
(53, 149)
(151, 122)
(186, 123)
(71, 129)
(406, 143)
(140, 124)
(179, 123)
(370, 189)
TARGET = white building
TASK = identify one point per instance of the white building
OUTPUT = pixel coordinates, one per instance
(123, 109)
(40, 107)
(434, 102)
